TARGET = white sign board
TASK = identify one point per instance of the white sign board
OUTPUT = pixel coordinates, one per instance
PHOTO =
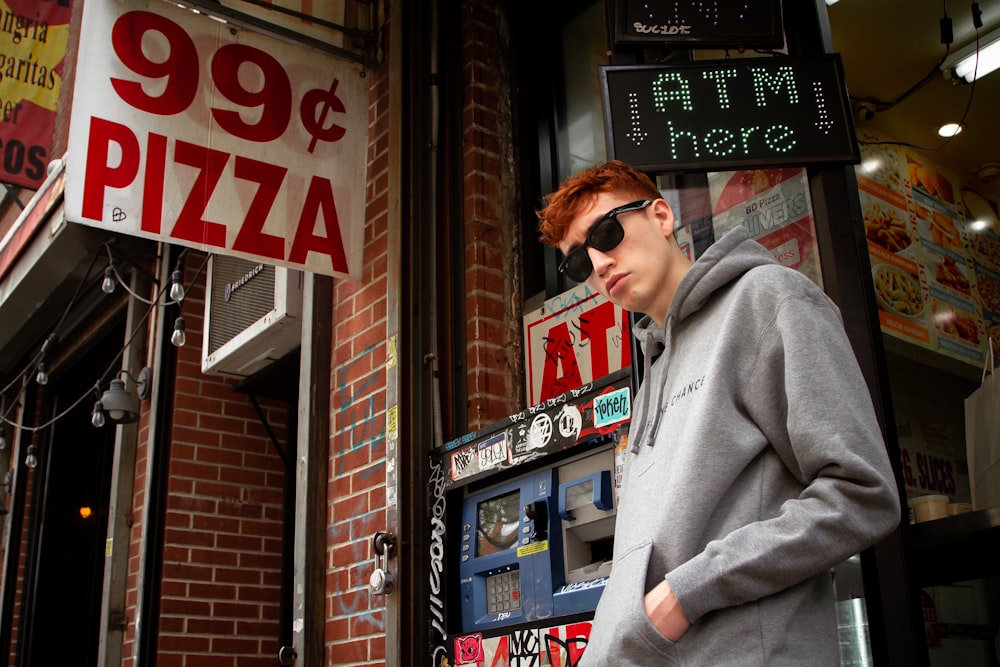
(192, 131)
(573, 339)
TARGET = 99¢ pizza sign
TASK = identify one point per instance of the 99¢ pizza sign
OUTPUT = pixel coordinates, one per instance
(190, 131)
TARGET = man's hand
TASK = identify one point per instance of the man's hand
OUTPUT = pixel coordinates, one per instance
(665, 612)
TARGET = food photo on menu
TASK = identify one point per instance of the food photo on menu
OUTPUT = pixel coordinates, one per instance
(929, 181)
(983, 225)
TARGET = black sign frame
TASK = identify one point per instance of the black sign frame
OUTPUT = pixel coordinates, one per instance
(760, 26)
(630, 113)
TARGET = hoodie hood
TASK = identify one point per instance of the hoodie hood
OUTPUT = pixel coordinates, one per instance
(724, 261)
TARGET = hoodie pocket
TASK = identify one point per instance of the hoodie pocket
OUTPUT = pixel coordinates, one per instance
(622, 634)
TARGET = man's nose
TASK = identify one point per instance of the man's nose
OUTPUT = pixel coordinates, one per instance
(600, 259)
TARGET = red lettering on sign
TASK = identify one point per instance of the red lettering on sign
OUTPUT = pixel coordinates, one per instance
(274, 96)
(179, 67)
(251, 238)
(559, 354)
(319, 198)
(190, 225)
(152, 194)
(100, 174)
(211, 165)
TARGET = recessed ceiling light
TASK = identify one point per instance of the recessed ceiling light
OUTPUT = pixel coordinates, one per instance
(949, 129)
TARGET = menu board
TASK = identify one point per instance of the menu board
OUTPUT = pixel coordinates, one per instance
(935, 273)
(775, 208)
(984, 252)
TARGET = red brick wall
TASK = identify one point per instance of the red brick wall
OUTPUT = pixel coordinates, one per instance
(493, 329)
(221, 577)
(355, 625)
(355, 620)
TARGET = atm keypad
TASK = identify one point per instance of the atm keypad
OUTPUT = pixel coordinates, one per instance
(503, 592)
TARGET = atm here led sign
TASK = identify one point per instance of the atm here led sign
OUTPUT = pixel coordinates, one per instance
(729, 114)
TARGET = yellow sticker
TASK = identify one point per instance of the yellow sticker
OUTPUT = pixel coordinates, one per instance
(533, 548)
(390, 352)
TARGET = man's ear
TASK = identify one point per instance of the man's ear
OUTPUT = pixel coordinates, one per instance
(665, 217)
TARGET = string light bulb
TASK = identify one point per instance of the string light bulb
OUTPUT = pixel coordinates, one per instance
(42, 377)
(108, 285)
(178, 338)
(176, 289)
(31, 460)
(97, 416)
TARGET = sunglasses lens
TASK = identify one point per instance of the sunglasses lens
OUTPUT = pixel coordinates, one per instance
(607, 234)
(578, 265)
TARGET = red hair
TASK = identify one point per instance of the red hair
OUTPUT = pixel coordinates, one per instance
(576, 192)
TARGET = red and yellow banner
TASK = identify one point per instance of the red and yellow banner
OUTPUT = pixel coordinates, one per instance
(33, 36)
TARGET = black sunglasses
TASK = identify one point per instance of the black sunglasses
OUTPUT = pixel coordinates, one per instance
(605, 235)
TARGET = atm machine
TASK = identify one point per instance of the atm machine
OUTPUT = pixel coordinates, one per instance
(532, 502)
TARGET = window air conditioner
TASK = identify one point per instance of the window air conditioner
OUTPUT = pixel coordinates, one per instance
(253, 315)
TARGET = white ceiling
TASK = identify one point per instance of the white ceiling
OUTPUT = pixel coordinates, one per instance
(890, 45)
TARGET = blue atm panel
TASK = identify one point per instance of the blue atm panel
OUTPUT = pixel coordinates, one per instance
(506, 552)
(536, 547)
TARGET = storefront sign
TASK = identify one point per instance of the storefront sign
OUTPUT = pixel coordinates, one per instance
(191, 131)
(33, 36)
(700, 22)
(729, 114)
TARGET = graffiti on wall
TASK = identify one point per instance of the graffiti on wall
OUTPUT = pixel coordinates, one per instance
(556, 646)
(437, 550)
(357, 415)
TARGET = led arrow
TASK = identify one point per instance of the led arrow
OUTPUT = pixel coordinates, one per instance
(636, 135)
(823, 124)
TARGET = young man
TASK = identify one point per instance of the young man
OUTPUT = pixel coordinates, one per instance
(756, 462)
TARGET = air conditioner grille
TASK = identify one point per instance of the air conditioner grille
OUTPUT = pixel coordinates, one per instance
(251, 290)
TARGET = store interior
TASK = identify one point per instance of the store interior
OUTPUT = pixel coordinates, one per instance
(901, 78)
(893, 56)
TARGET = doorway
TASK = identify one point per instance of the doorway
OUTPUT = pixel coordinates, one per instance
(69, 505)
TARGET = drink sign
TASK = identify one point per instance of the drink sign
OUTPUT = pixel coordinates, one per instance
(729, 114)
(191, 131)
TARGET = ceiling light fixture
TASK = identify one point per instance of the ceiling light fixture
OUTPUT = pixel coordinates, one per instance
(970, 63)
(949, 130)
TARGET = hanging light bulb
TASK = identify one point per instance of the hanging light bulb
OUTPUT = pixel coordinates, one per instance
(97, 416)
(42, 377)
(108, 285)
(31, 460)
(176, 289)
(178, 338)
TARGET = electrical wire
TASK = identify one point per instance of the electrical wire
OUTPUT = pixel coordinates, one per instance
(961, 121)
(946, 39)
(5, 419)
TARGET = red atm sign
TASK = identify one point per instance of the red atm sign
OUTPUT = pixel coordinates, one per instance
(195, 132)
(572, 340)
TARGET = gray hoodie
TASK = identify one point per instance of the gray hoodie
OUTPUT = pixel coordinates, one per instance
(756, 465)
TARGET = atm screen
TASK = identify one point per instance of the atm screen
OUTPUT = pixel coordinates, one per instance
(498, 522)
